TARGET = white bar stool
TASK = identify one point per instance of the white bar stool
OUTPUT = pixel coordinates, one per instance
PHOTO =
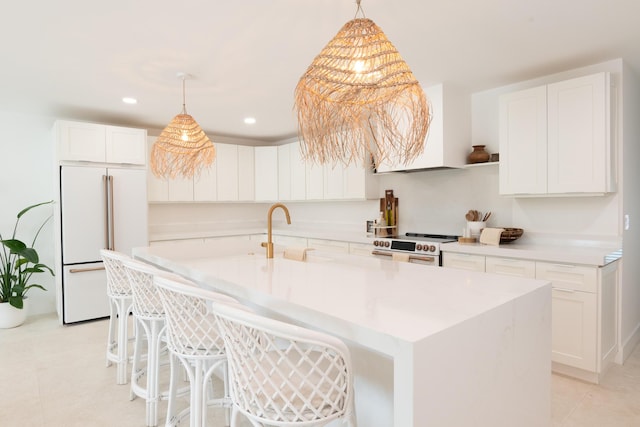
(284, 375)
(120, 300)
(192, 337)
(149, 317)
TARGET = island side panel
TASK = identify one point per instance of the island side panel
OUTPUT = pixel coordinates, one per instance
(492, 370)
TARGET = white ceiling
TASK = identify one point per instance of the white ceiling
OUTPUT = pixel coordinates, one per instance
(77, 58)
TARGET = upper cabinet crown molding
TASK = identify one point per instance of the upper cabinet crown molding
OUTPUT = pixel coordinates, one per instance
(557, 139)
(448, 140)
(91, 142)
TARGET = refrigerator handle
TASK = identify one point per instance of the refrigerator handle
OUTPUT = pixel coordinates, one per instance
(105, 192)
(112, 243)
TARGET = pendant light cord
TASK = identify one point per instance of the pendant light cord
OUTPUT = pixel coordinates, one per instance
(184, 102)
(359, 9)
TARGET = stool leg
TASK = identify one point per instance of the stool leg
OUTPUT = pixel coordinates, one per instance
(174, 370)
(123, 340)
(153, 371)
(111, 343)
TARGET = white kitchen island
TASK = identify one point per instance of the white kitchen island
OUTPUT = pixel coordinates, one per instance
(465, 348)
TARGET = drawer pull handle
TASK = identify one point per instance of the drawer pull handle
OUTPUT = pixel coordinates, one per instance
(83, 270)
(569, 291)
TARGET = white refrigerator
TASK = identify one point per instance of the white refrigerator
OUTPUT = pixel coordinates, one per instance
(100, 207)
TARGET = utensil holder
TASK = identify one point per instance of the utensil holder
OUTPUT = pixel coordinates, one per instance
(474, 228)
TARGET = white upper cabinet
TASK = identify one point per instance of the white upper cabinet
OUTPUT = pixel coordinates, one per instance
(246, 173)
(125, 145)
(284, 172)
(579, 150)
(292, 177)
(91, 142)
(556, 139)
(266, 173)
(449, 137)
(227, 172)
(523, 142)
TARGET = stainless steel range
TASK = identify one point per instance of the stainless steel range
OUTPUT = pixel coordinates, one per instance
(418, 248)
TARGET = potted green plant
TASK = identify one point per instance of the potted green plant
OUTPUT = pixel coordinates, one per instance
(18, 262)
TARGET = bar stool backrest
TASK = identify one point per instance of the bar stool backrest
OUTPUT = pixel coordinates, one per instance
(117, 279)
(191, 329)
(282, 374)
(146, 299)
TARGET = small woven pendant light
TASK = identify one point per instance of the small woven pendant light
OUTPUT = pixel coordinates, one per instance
(359, 99)
(182, 148)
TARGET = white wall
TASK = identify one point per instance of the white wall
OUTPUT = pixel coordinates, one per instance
(26, 178)
(630, 283)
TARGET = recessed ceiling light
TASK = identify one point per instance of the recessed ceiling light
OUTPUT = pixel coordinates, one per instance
(128, 100)
(250, 120)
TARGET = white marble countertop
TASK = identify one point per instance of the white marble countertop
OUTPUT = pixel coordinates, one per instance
(389, 299)
(573, 254)
(491, 333)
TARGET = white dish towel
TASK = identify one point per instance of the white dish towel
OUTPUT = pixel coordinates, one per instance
(491, 236)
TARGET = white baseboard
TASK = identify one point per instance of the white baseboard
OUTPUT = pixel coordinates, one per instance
(628, 346)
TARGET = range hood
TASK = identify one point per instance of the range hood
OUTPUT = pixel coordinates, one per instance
(448, 142)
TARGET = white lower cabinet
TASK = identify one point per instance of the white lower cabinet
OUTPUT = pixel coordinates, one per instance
(584, 315)
(360, 249)
(510, 267)
(328, 245)
(463, 261)
(288, 240)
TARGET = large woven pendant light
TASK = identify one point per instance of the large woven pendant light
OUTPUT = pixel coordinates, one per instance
(182, 149)
(359, 99)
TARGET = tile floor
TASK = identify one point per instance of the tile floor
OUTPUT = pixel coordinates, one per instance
(55, 376)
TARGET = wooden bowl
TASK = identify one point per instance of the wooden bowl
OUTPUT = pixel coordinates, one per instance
(510, 234)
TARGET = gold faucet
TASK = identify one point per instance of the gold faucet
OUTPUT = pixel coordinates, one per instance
(269, 243)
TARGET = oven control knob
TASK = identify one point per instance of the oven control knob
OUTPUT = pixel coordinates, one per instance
(386, 244)
(432, 248)
(418, 247)
(376, 243)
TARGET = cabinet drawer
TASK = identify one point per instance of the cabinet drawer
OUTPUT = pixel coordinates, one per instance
(568, 276)
(463, 261)
(329, 245)
(360, 249)
(511, 267)
(289, 241)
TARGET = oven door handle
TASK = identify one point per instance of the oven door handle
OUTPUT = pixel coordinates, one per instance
(411, 257)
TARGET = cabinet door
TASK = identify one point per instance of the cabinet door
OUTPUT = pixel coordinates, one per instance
(180, 189)
(360, 249)
(125, 145)
(289, 240)
(246, 173)
(578, 135)
(284, 172)
(315, 181)
(205, 185)
(333, 182)
(266, 173)
(157, 188)
(463, 261)
(574, 328)
(329, 245)
(523, 142)
(81, 141)
(511, 267)
(227, 172)
(298, 173)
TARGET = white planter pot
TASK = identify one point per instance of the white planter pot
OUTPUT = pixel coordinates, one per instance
(10, 317)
